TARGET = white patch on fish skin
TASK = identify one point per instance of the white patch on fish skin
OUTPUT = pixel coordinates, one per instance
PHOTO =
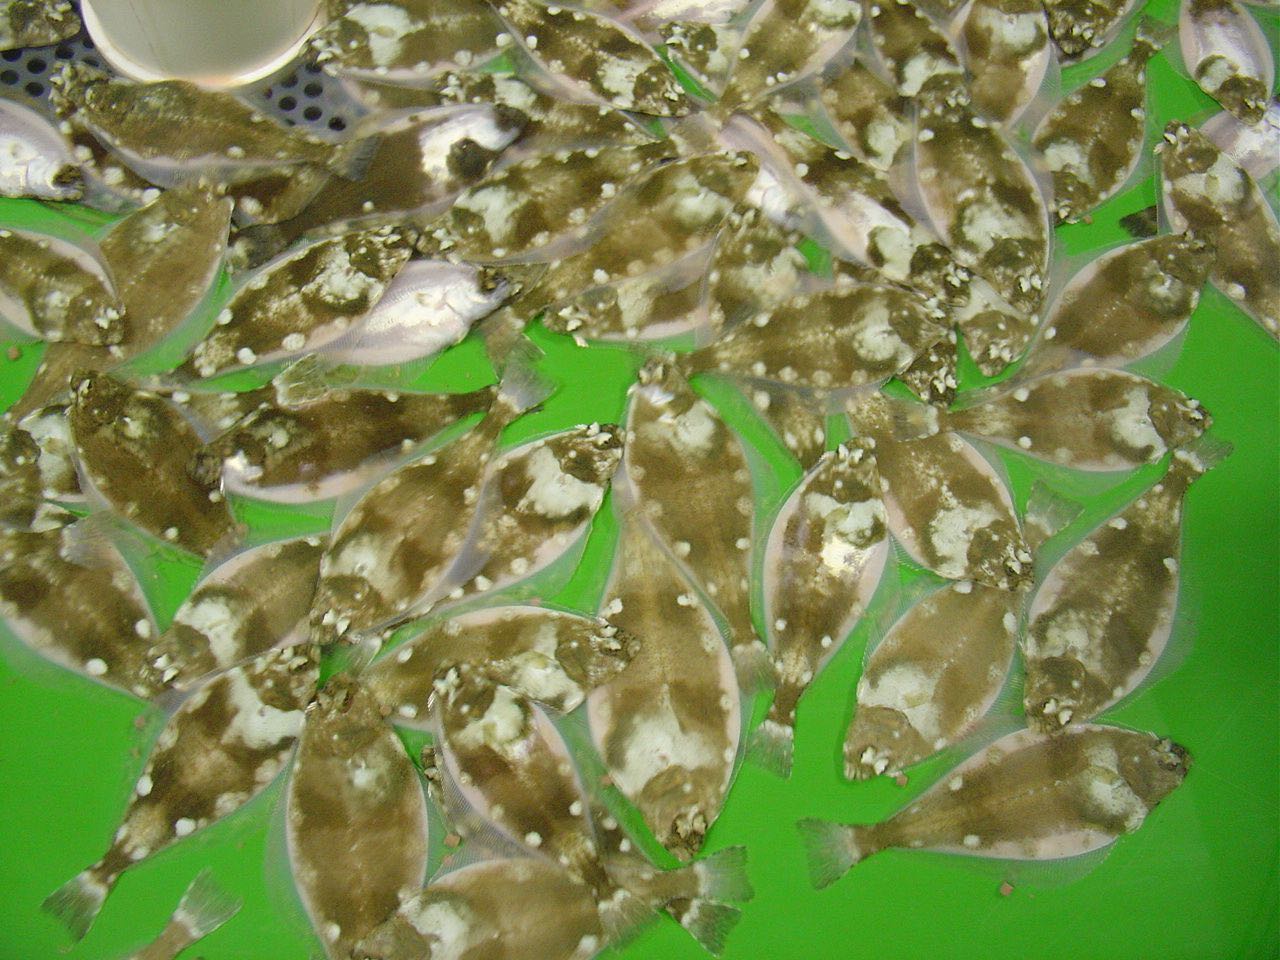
(658, 744)
(951, 532)
(1069, 155)
(875, 338)
(1132, 426)
(909, 690)
(338, 280)
(694, 430)
(215, 619)
(1223, 183)
(385, 24)
(254, 723)
(449, 931)
(501, 724)
(985, 222)
(555, 493)
(495, 206)
(1108, 790)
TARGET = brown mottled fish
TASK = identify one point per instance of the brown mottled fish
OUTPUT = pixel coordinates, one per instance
(933, 375)
(204, 907)
(1082, 27)
(795, 417)
(931, 679)
(1227, 53)
(36, 23)
(245, 606)
(1092, 141)
(552, 656)
(1213, 199)
(1006, 49)
(51, 431)
(667, 727)
(1027, 796)
(823, 561)
(23, 503)
(1105, 611)
(122, 434)
(355, 818)
(58, 290)
(755, 268)
(705, 51)
(223, 747)
(302, 300)
(71, 597)
(869, 114)
(1085, 419)
(909, 45)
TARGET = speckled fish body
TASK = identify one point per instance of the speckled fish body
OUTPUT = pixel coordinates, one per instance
(1082, 27)
(869, 115)
(982, 198)
(933, 375)
(173, 132)
(256, 600)
(1006, 48)
(946, 504)
(795, 419)
(755, 268)
(212, 412)
(300, 453)
(301, 301)
(226, 743)
(1092, 141)
(689, 476)
(204, 907)
(1213, 199)
(109, 185)
(541, 200)
(849, 336)
(937, 672)
(51, 431)
(539, 502)
(1125, 305)
(408, 40)
(548, 655)
(910, 46)
(1105, 611)
(785, 41)
(1085, 419)
(58, 290)
(667, 727)
(35, 159)
(1027, 796)
(355, 818)
(1227, 54)
(587, 56)
(75, 601)
(823, 561)
(22, 503)
(122, 434)
(705, 51)
(1256, 147)
(36, 23)
(499, 909)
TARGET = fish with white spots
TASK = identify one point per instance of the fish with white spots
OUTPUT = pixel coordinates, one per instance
(1227, 54)
(910, 47)
(56, 289)
(36, 23)
(1080, 28)
(1006, 49)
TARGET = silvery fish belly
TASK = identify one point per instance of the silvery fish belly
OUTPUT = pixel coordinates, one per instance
(668, 726)
(552, 656)
(1082, 27)
(755, 268)
(355, 818)
(303, 300)
(75, 601)
(849, 336)
(251, 603)
(501, 909)
(983, 198)
(58, 290)
(688, 474)
(122, 434)
(1006, 48)
(1228, 55)
(406, 41)
(1028, 796)
(173, 131)
(226, 743)
(945, 503)
(540, 200)
(204, 908)
(36, 23)
(870, 116)
(539, 502)
(1092, 141)
(823, 561)
(1256, 147)
(588, 56)
(1085, 419)
(787, 39)
(1105, 611)
(910, 46)
(308, 451)
(931, 679)
(35, 159)
(1125, 305)
(1213, 199)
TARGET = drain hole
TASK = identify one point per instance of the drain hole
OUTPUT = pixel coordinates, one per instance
(9, 78)
(64, 52)
(312, 114)
(37, 65)
(11, 56)
(288, 103)
(337, 124)
(313, 89)
(35, 89)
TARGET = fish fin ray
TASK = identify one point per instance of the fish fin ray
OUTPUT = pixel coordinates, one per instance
(772, 746)
(78, 901)
(206, 906)
(709, 923)
(722, 876)
(830, 850)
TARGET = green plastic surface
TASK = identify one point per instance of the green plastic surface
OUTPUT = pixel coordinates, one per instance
(1199, 880)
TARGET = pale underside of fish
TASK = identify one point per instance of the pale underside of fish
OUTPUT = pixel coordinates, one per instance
(1256, 148)
(1007, 52)
(35, 159)
(1227, 54)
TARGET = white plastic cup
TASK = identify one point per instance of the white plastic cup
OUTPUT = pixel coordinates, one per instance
(215, 43)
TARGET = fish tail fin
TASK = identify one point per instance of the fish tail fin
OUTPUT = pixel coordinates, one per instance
(77, 902)
(752, 664)
(830, 849)
(621, 913)
(723, 876)
(205, 907)
(709, 923)
(502, 332)
(772, 746)
(351, 158)
(1200, 456)
(915, 421)
(523, 386)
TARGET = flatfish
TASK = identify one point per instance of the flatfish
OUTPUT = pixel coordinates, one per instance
(35, 159)
(1228, 55)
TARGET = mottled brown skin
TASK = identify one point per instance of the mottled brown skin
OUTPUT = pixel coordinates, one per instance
(1214, 200)
(901, 32)
(1079, 26)
(35, 23)
(441, 31)
(868, 113)
(795, 419)
(1240, 92)
(345, 430)
(122, 435)
(1106, 121)
(960, 641)
(355, 818)
(1084, 419)
(62, 300)
(21, 488)
(702, 49)
(755, 268)
(49, 428)
(259, 601)
(1003, 72)
(932, 375)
